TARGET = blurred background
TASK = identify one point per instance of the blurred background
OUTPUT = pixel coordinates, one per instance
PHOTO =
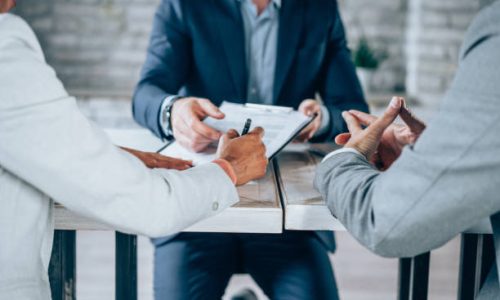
(404, 47)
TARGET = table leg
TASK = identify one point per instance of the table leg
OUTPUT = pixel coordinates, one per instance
(126, 266)
(487, 257)
(62, 268)
(420, 276)
(414, 277)
(476, 257)
(404, 278)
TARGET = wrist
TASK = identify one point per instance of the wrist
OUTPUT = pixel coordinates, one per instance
(166, 116)
(228, 168)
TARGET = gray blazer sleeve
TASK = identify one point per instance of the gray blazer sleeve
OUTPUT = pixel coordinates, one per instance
(446, 183)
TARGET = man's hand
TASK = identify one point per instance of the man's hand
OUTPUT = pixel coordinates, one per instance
(6, 5)
(366, 141)
(187, 125)
(246, 154)
(309, 107)
(156, 160)
(393, 138)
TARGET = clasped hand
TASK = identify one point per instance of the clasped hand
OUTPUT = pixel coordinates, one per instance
(381, 141)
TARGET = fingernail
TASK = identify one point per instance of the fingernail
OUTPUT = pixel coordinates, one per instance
(395, 102)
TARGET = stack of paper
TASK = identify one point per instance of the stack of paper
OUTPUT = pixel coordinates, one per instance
(281, 125)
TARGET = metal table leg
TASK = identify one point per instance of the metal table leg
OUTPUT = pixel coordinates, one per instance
(420, 277)
(126, 267)
(62, 268)
(404, 278)
(414, 277)
(476, 257)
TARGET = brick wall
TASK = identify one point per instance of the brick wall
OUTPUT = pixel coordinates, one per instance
(98, 46)
(382, 23)
(435, 31)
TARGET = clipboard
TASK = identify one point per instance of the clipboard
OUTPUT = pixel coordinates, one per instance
(294, 135)
(281, 125)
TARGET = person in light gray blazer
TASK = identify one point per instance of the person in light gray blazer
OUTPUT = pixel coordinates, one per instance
(50, 152)
(446, 182)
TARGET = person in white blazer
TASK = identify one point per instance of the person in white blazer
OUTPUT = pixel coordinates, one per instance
(50, 152)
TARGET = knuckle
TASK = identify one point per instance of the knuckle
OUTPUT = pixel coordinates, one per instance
(262, 170)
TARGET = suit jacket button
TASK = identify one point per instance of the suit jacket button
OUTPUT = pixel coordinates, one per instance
(215, 206)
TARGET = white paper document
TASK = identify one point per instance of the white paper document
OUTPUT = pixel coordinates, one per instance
(281, 125)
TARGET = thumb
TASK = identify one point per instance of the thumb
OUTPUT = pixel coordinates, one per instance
(210, 109)
(342, 138)
(390, 114)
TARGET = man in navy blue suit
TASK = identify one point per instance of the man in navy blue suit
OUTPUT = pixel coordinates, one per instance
(276, 52)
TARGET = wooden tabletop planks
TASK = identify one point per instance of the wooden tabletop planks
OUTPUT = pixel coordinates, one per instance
(259, 210)
(303, 205)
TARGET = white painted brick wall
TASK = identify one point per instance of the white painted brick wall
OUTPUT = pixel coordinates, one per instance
(434, 35)
(98, 46)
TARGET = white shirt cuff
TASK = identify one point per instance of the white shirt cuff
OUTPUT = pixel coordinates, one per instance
(342, 150)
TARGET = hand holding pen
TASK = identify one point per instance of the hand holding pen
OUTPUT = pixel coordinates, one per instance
(245, 153)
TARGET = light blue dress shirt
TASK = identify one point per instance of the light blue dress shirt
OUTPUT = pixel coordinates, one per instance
(261, 44)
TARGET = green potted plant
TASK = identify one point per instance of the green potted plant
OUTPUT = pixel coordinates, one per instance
(367, 60)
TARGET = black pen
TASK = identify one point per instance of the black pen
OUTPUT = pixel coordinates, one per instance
(246, 128)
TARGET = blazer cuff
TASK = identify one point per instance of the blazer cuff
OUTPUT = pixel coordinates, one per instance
(325, 121)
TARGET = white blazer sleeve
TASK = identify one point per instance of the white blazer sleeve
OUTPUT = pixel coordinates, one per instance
(46, 141)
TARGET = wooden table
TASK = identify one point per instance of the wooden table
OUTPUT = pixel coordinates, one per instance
(286, 193)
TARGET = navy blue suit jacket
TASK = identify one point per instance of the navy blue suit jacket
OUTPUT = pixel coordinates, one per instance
(197, 48)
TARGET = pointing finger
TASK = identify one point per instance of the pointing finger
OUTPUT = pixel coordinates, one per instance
(203, 129)
(342, 138)
(210, 109)
(389, 115)
(352, 123)
(364, 118)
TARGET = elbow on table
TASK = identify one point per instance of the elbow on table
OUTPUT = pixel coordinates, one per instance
(398, 243)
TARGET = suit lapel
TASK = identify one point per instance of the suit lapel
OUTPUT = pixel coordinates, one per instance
(290, 28)
(231, 34)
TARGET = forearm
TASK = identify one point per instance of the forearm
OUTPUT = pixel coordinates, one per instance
(166, 68)
(413, 207)
(75, 164)
(444, 184)
(345, 181)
